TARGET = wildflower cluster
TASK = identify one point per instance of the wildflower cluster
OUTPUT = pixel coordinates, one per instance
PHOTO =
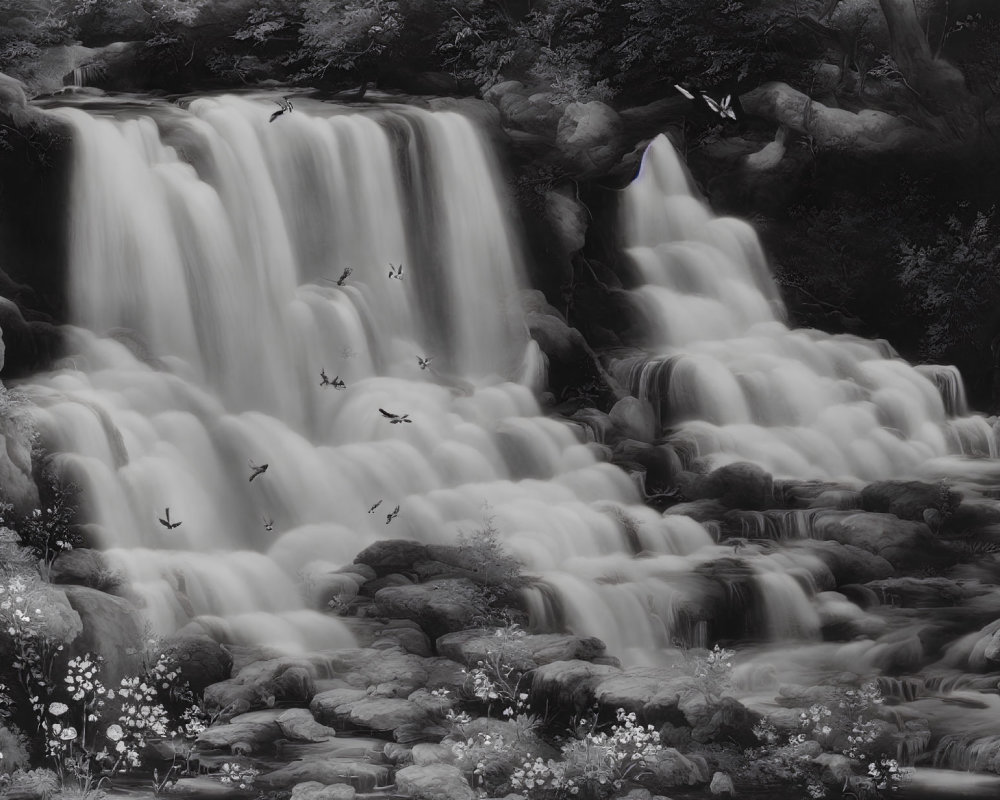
(486, 757)
(598, 763)
(35, 646)
(714, 672)
(496, 679)
(885, 773)
(233, 774)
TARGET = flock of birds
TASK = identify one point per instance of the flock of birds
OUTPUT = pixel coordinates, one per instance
(256, 470)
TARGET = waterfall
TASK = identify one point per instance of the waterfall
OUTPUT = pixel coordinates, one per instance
(732, 382)
(205, 244)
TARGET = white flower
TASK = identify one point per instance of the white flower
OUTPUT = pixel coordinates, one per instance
(58, 709)
(114, 733)
(68, 734)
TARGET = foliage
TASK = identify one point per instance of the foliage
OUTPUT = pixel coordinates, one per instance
(48, 530)
(498, 574)
(712, 673)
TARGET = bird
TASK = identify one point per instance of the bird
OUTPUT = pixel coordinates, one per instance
(724, 108)
(257, 470)
(396, 272)
(343, 277)
(424, 361)
(337, 383)
(392, 515)
(268, 523)
(372, 509)
(738, 544)
(166, 523)
(286, 105)
(394, 419)
(324, 378)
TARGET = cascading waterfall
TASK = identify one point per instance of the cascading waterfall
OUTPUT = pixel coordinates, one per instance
(205, 243)
(735, 383)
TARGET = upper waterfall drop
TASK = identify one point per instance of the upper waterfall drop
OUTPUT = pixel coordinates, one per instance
(735, 383)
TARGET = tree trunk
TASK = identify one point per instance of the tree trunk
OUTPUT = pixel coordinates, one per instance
(940, 86)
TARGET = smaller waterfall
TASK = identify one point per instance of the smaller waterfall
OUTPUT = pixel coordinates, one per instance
(733, 382)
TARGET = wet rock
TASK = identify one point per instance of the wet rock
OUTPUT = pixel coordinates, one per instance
(112, 629)
(522, 110)
(902, 543)
(567, 217)
(202, 661)
(398, 754)
(725, 721)
(230, 697)
(741, 485)
(912, 592)
(314, 790)
(256, 729)
(392, 579)
(523, 653)
(438, 607)
(434, 782)
(634, 419)
(847, 563)
(722, 785)
(371, 667)
(672, 769)
(86, 567)
(353, 707)
(568, 685)
(654, 693)
(298, 724)
(391, 555)
(427, 753)
(908, 499)
(590, 135)
(363, 776)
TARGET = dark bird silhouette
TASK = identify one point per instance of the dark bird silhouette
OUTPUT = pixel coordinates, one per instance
(268, 523)
(392, 515)
(372, 509)
(424, 362)
(286, 105)
(394, 419)
(166, 523)
(324, 378)
(257, 470)
(396, 272)
(343, 277)
(338, 383)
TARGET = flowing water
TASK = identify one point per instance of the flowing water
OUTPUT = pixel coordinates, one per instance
(205, 247)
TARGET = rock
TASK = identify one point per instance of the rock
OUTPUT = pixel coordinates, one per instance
(770, 155)
(902, 543)
(392, 579)
(672, 769)
(837, 768)
(202, 661)
(722, 784)
(230, 697)
(314, 790)
(908, 499)
(355, 707)
(391, 555)
(568, 685)
(326, 771)
(523, 653)
(590, 134)
(567, 217)
(299, 725)
(634, 419)
(533, 113)
(438, 607)
(741, 485)
(434, 782)
(112, 629)
(255, 729)
(847, 563)
(369, 667)
(426, 753)
(725, 721)
(398, 754)
(19, 487)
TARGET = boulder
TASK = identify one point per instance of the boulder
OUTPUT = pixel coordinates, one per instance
(523, 653)
(427, 753)
(722, 785)
(391, 555)
(299, 725)
(590, 135)
(634, 419)
(438, 606)
(847, 563)
(902, 543)
(534, 113)
(326, 771)
(568, 218)
(314, 790)
(908, 499)
(112, 629)
(201, 660)
(568, 685)
(256, 729)
(672, 769)
(353, 707)
(434, 782)
(741, 485)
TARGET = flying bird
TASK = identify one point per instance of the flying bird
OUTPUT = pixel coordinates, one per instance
(268, 523)
(724, 108)
(394, 419)
(392, 515)
(337, 383)
(396, 272)
(257, 470)
(372, 509)
(424, 362)
(324, 378)
(286, 105)
(166, 523)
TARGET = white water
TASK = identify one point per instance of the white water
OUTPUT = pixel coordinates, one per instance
(737, 384)
(199, 238)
